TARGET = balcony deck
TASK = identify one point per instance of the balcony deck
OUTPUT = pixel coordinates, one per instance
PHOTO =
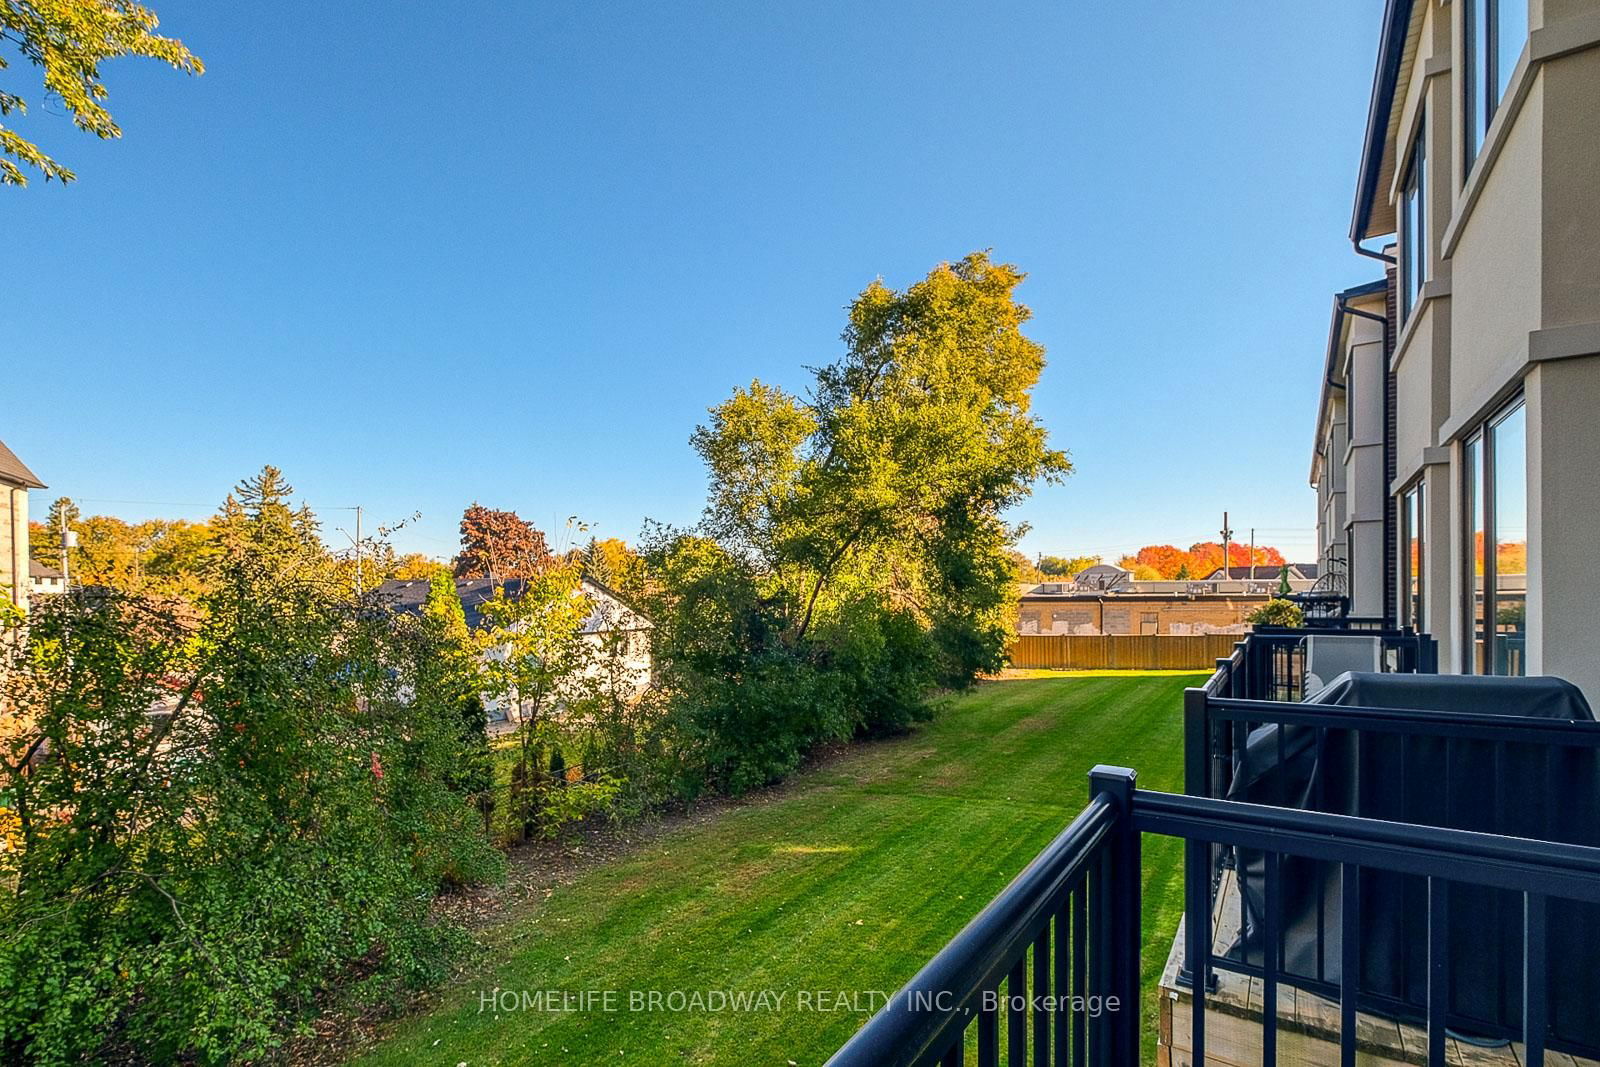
(1308, 1034)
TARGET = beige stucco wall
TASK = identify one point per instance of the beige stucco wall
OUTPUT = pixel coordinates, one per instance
(1563, 397)
(1512, 302)
(14, 581)
(1414, 375)
(1570, 200)
(1440, 565)
(1365, 487)
(1496, 268)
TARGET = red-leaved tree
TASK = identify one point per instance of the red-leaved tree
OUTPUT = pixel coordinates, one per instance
(499, 544)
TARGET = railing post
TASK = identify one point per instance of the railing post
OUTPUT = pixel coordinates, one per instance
(1196, 744)
(1117, 923)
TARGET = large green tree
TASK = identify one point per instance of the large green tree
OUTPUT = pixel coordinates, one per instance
(854, 549)
(68, 40)
(893, 476)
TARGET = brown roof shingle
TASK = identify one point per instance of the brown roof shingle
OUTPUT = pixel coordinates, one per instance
(16, 472)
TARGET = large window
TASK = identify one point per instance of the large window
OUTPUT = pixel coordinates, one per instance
(1413, 557)
(1495, 32)
(1414, 228)
(1496, 495)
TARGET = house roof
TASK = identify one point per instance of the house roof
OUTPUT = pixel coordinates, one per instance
(41, 570)
(610, 612)
(1396, 52)
(14, 471)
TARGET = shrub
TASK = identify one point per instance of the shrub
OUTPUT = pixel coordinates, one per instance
(189, 881)
(1277, 612)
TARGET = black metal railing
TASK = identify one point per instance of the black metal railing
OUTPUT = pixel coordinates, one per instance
(1087, 883)
(1533, 778)
(1047, 955)
(1270, 663)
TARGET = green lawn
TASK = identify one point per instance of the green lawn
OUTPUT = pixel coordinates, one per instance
(849, 879)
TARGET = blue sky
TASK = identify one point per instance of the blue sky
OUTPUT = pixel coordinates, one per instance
(510, 252)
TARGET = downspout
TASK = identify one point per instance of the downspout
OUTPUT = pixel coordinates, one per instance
(1388, 443)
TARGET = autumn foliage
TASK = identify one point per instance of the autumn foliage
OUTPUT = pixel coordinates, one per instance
(500, 544)
(1169, 562)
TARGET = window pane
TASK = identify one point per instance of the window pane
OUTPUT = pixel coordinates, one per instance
(1475, 556)
(1475, 22)
(1510, 31)
(1511, 542)
(1412, 559)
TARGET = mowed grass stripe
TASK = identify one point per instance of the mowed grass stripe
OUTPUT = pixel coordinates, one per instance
(849, 879)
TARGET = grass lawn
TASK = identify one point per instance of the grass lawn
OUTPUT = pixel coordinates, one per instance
(848, 879)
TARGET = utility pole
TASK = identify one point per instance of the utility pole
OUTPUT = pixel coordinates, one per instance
(1252, 571)
(68, 539)
(358, 550)
(1227, 553)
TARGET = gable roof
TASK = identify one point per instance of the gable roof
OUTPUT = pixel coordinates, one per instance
(14, 471)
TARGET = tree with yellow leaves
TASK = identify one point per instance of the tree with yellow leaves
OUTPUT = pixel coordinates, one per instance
(68, 40)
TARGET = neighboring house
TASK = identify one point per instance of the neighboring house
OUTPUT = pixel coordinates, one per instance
(1457, 444)
(611, 627)
(15, 481)
(45, 580)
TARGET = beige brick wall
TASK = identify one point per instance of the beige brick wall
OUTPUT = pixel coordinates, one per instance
(1220, 614)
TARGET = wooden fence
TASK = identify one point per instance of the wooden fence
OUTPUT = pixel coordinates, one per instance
(1121, 651)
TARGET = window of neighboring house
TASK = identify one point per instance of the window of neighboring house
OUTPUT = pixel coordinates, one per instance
(1413, 556)
(1414, 227)
(1148, 623)
(1496, 493)
(1495, 31)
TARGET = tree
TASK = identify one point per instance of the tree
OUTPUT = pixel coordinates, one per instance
(189, 881)
(1163, 559)
(416, 567)
(611, 562)
(1066, 566)
(69, 41)
(854, 549)
(911, 447)
(500, 545)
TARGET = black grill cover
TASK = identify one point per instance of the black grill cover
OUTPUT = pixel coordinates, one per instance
(1542, 791)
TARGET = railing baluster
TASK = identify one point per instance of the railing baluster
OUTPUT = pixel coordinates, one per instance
(1197, 936)
(1349, 959)
(1535, 1007)
(1080, 961)
(1438, 967)
(1041, 990)
(1017, 1019)
(988, 1036)
(1269, 962)
(957, 1056)
(1101, 914)
(1063, 1018)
